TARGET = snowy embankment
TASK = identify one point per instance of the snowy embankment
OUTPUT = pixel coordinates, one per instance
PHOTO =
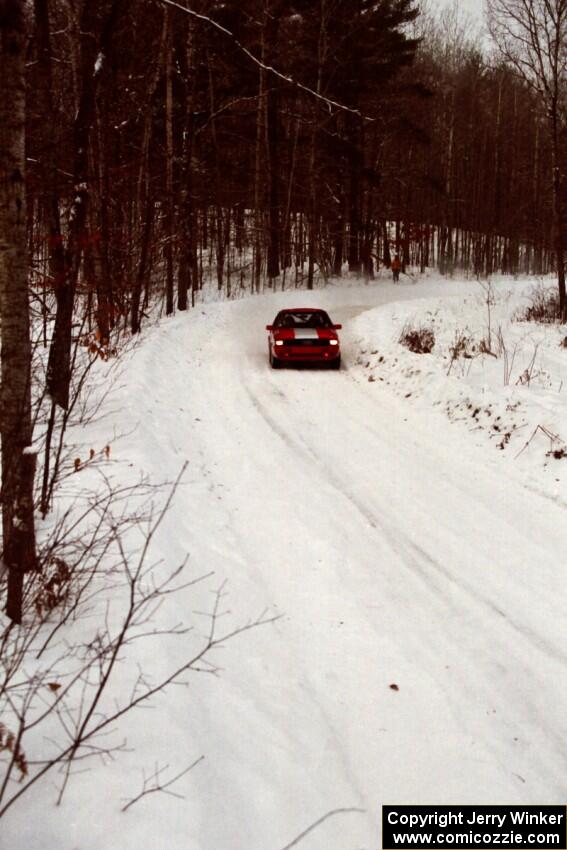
(417, 571)
(502, 378)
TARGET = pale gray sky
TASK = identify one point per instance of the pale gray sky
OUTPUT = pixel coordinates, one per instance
(474, 7)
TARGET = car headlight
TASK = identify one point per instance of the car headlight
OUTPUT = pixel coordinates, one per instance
(279, 341)
(334, 341)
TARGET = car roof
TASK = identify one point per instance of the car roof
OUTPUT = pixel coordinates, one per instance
(303, 310)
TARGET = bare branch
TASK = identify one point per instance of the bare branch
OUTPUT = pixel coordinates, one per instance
(154, 783)
(317, 823)
(269, 68)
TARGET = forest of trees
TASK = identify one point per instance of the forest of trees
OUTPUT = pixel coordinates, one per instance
(150, 147)
(159, 152)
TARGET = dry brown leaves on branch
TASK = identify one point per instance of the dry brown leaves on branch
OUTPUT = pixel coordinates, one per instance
(8, 743)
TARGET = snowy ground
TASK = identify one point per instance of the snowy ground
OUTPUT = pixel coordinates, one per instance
(402, 538)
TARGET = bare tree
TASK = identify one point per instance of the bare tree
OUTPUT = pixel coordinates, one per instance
(18, 461)
(91, 576)
(94, 53)
(532, 36)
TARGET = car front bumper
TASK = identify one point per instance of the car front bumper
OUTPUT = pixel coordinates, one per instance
(305, 354)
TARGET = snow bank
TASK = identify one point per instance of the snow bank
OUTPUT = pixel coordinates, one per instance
(501, 379)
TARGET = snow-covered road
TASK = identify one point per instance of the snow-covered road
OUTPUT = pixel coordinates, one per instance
(395, 551)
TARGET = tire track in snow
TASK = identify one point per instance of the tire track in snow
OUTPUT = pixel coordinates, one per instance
(475, 649)
(397, 541)
(433, 578)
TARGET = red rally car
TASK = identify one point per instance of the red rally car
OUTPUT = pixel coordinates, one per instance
(303, 335)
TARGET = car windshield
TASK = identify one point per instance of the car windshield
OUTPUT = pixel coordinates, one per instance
(303, 319)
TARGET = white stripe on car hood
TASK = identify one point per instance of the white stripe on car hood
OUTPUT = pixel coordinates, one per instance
(306, 333)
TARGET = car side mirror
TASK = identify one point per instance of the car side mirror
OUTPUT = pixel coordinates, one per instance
(337, 327)
(269, 327)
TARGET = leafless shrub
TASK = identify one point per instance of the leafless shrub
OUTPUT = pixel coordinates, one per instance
(485, 346)
(463, 347)
(557, 447)
(86, 398)
(420, 340)
(489, 301)
(507, 357)
(529, 374)
(543, 307)
(84, 615)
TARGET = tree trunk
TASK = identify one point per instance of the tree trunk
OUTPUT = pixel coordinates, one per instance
(355, 167)
(169, 225)
(187, 256)
(259, 177)
(18, 466)
(145, 203)
(558, 210)
(94, 53)
(274, 200)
